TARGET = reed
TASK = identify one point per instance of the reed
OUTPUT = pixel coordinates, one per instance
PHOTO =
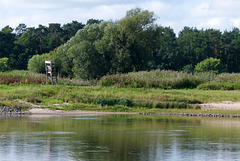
(167, 79)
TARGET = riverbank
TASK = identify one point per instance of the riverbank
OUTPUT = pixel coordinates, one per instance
(41, 111)
(227, 109)
(72, 100)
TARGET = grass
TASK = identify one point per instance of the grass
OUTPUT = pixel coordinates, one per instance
(154, 91)
(173, 80)
(111, 98)
(19, 77)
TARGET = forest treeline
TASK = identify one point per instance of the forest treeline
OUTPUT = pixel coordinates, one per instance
(133, 43)
(21, 43)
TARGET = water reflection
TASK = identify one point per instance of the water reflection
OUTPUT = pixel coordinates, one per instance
(119, 137)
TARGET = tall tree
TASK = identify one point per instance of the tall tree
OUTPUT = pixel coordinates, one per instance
(130, 41)
(70, 29)
(7, 37)
(164, 49)
(20, 29)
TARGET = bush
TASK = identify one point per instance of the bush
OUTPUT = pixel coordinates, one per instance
(4, 65)
(171, 105)
(210, 65)
(109, 101)
(37, 63)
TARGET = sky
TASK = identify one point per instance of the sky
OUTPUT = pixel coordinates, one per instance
(202, 14)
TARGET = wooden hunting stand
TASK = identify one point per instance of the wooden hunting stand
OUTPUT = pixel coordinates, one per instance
(50, 72)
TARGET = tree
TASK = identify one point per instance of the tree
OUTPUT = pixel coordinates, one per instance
(7, 37)
(230, 50)
(37, 62)
(20, 29)
(164, 55)
(88, 63)
(93, 21)
(70, 29)
(128, 42)
(210, 65)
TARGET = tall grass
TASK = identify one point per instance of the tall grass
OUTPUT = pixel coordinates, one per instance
(17, 77)
(225, 81)
(164, 79)
(21, 77)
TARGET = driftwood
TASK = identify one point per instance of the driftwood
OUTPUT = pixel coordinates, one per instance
(8, 110)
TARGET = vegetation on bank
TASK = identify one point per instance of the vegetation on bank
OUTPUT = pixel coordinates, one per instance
(17, 77)
(99, 98)
(173, 80)
(162, 79)
(133, 43)
(137, 43)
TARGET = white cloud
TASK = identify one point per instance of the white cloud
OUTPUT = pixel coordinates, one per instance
(108, 12)
(219, 14)
(235, 21)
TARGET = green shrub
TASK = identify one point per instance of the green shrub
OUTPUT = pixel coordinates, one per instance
(37, 63)
(210, 65)
(106, 81)
(4, 65)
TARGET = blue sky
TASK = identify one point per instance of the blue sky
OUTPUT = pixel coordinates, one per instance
(217, 14)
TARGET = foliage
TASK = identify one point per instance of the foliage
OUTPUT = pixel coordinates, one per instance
(37, 63)
(188, 68)
(21, 45)
(4, 65)
(136, 43)
(209, 65)
(133, 43)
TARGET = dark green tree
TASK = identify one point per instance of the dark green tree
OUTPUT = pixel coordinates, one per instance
(93, 21)
(164, 55)
(70, 29)
(7, 37)
(20, 29)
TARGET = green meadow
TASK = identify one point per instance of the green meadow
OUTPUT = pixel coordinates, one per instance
(118, 93)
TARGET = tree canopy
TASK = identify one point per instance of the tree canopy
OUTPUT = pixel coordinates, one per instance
(133, 43)
(136, 43)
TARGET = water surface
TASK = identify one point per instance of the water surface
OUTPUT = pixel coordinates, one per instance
(118, 137)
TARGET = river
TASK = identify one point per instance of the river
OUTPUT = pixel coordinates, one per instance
(118, 138)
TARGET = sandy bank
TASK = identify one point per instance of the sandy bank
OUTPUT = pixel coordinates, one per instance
(224, 105)
(40, 111)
